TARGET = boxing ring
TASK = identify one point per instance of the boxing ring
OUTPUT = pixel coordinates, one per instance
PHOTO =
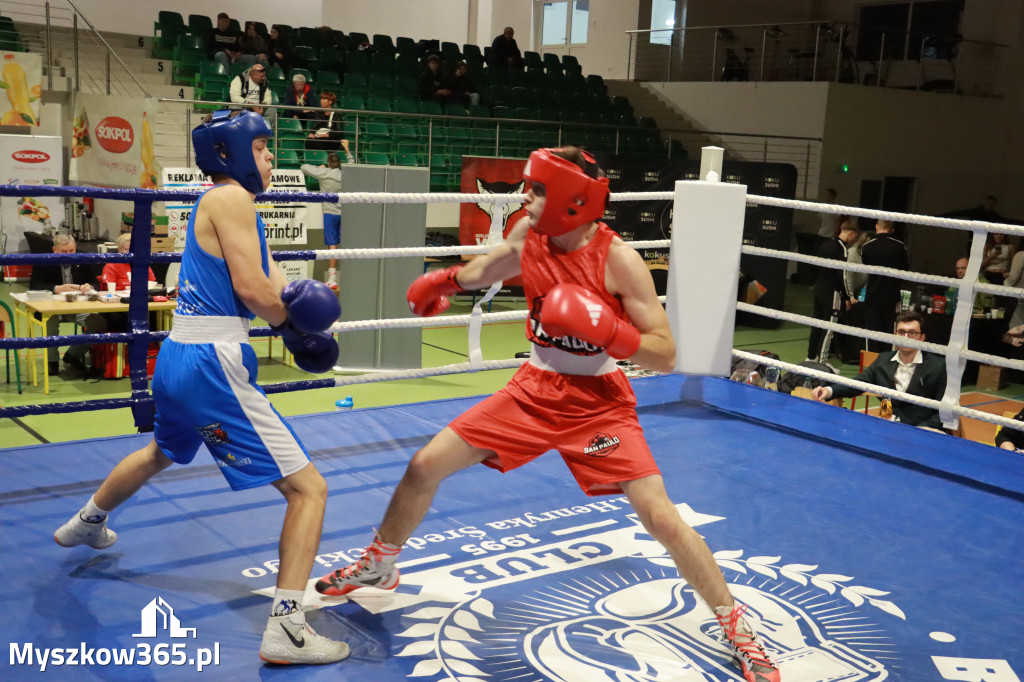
(869, 550)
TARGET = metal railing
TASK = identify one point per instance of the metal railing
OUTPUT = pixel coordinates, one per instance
(558, 132)
(72, 46)
(818, 51)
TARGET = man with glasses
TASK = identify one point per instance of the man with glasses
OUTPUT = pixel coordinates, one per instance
(905, 369)
(251, 89)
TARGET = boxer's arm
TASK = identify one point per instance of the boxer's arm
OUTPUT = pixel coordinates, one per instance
(233, 218)
(500, 263)
(627, 276)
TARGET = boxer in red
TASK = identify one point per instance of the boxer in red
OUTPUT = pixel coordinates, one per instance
(592, 301)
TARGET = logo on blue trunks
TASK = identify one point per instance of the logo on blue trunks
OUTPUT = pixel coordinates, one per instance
(602, 445)
(213, 434)
(230, 460)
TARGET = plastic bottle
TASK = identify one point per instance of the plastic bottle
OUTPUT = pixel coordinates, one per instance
(345, 404)
(951, 293)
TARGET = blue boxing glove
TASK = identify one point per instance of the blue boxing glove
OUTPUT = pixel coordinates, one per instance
(312, 306)
(315, 352)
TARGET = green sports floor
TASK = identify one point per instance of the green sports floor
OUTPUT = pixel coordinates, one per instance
(441, 346)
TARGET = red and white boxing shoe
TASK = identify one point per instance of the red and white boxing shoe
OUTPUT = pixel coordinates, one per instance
(376, 568)
(749, 653)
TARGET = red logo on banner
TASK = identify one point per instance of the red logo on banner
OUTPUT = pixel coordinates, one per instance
(30, 156)
(115, 134)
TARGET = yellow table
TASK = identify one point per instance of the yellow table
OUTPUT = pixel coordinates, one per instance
(26, 323)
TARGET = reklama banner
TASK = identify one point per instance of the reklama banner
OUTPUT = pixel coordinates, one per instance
(112, 142)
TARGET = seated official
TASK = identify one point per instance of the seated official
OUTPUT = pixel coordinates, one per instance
(76, 278)
(328, 128)
(905, 369)
(1011, 439)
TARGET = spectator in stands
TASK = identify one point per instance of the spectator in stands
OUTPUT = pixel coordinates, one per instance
(1011, 439)
(253, 46)
(882, 296)
(462, 87)
(329, 177)
(961, 268)
(832, 292)
(224, 42)
(63, 279)
(251, 88)
(300, 96)
(432, 85)
(504, 51)
(279, 49)
(905, 369)
(328, 129)
(998, 254)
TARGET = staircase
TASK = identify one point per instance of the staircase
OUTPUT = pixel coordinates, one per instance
(170, 137)
(672, 123)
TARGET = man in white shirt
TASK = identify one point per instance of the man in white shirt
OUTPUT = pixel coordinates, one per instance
(251, 88)
(905, 369)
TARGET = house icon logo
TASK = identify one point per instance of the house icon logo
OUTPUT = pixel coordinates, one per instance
(159, 615)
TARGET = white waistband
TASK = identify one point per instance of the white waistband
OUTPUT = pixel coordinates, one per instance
(554, 360)
(209, 329)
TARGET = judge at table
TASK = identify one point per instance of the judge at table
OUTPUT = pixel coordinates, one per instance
(62, 279)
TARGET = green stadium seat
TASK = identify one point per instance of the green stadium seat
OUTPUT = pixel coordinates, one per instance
(376, 158)
(290, 127)
(405, 45)
(309, 36)
(383, 44)
(168, 18)
(431, 108)
(406, 104)
(287, 158)
(317, 157)
(332, 59)
(357, 102)
(199, 22)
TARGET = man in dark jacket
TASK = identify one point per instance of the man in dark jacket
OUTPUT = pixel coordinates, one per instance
(504, 50)
(832, 291)
(905, 369)
(224, 46)
(79, 278)
(883, 293)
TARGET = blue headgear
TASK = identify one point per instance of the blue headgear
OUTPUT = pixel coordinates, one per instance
(223, 146)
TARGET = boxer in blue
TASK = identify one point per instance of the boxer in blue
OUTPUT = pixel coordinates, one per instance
(208, 355)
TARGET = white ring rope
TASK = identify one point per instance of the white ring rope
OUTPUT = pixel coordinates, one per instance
(460, 368)
(878, 390)
(912, 218)
(435, 251)
(907, 275)
(409, 322)
(460, 198)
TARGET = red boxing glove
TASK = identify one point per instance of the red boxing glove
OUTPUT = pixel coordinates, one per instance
(428, 294)
(571, 310)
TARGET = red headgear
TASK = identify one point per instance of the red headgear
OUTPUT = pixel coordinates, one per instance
(572, 197)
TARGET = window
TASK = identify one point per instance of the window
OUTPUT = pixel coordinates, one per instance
(663, 15)
(561, 26)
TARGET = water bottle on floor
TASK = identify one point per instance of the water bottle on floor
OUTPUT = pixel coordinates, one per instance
(345, 404)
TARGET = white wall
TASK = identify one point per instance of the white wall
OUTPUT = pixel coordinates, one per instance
(607, 50)
(446, 20)
(777, 108)
(137, 18)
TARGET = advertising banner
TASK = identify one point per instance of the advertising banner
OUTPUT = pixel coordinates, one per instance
(21, 78)
(112, 142)
(491, 176)
(28, 160)
(285, 224)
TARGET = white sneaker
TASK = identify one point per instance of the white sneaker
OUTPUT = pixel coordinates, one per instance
(77, 532)
(287, 643)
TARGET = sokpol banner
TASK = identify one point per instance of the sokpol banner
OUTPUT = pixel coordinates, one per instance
(21, 78)
(112, 142)
(26, 160)
(284, 223)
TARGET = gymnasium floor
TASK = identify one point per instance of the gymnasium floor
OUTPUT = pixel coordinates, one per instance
(441, 346)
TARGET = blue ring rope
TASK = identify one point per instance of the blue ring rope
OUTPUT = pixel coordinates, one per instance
(140, 257)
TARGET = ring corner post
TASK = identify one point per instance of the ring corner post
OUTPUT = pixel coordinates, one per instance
(143, 409)
(704, 264)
